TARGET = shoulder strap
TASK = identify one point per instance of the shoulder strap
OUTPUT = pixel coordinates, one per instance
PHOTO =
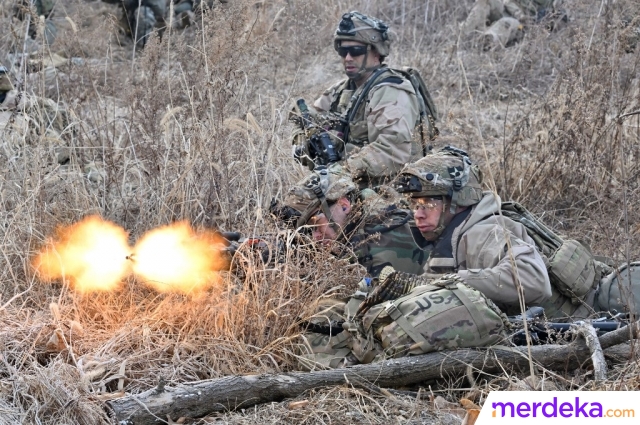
(351, 113)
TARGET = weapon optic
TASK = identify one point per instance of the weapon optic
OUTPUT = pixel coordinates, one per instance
(321, 148)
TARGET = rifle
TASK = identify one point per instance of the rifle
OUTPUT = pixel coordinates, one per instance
(542, 332)
(271, 248)
(320, 146)
(233, 241)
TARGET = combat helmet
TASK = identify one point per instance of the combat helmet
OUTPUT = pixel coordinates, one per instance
(318, 190)
(5, 82)
(445, 173)
(354, 26)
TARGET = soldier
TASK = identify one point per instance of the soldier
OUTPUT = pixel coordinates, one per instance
(488, 252)
(141, 17)
(502, 21)
(377, 106)
(43, 9)
(480, 265)
(32, 118)
(376, 231)
(341, 215)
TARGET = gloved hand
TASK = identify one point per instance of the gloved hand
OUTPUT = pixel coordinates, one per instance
(392, 284)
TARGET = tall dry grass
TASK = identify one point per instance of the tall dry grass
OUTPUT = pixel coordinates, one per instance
(194, 127)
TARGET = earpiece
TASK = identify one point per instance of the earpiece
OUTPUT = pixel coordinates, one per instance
(344, 208)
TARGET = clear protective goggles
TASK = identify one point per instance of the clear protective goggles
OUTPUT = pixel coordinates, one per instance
(425, 203)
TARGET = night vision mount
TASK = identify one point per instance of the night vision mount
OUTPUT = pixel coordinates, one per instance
(347, 27)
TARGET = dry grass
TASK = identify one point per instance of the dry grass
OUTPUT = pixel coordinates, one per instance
(194, 127)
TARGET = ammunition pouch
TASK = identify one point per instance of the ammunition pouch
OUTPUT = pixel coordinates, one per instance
(572, 270)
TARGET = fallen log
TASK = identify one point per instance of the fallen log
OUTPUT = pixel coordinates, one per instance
(198, 399)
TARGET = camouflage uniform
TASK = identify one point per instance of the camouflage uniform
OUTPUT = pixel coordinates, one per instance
(44, 9)
(380, 139)
(378, 232)
(469, 279)
(380, 136)
(139, 22)
(616, 291)
(502, 21)
(481, 246)
(30, 118)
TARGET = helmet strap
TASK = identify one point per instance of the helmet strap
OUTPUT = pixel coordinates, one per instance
(318, 190)
(364, 69)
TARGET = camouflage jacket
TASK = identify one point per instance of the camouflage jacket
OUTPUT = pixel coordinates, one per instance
(389, 240)
(380, 139)
(523, 10)
(480, 256)
(34, 120)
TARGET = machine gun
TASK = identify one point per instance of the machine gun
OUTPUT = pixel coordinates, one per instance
(234, 240)
(320, 148)
(271, 248)
(543, 332)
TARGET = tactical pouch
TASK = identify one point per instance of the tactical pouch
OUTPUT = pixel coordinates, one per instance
(432, 318)
(572, 270)
(620, 291)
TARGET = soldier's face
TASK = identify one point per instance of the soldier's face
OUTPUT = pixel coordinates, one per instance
(352, 64)
(321, 230)
(427, 213)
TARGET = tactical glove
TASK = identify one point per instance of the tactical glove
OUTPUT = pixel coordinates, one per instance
(392, 284)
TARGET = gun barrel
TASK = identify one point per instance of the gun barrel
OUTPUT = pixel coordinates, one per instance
(231, 236)
(601, 326)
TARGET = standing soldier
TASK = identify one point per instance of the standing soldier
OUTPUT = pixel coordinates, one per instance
(377, 107)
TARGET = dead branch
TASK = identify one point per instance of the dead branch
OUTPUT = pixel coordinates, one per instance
(232, 392)
(588, 332)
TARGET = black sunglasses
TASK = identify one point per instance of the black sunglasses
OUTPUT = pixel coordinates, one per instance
(354, 51)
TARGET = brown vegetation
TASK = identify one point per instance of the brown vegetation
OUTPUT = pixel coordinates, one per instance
(195, 127)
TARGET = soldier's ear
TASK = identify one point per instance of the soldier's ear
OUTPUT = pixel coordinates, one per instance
(345, 205)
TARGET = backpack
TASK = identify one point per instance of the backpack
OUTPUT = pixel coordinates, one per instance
(428, 111)
(446, 314)
(573, 269)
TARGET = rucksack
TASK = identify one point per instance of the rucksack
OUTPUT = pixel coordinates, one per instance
(573, 269)
(446, 314)
(428, 111)
(620, 290)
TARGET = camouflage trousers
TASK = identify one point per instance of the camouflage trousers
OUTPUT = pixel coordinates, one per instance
(427, 319)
